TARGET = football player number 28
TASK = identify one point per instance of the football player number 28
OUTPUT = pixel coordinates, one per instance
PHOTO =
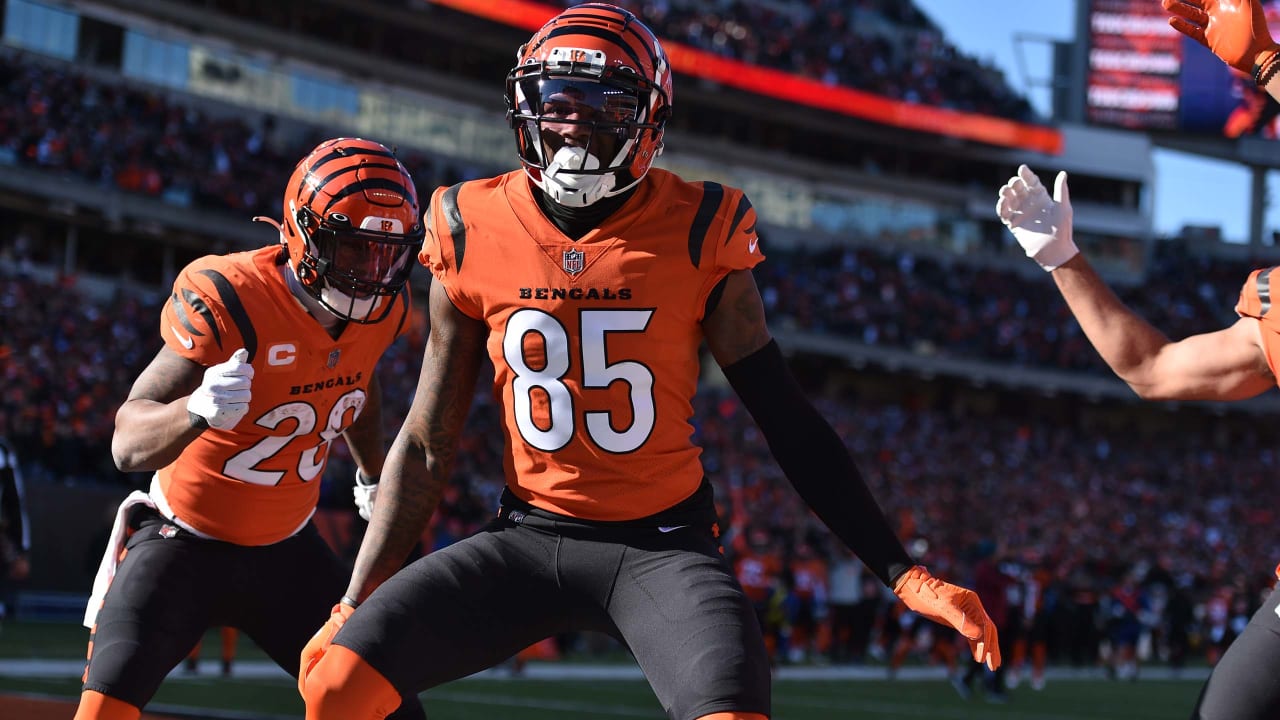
(597, 372)
(301, 420)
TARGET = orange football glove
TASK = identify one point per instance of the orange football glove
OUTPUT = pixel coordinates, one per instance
(319, 643)
(1235, 30)
(947, 604)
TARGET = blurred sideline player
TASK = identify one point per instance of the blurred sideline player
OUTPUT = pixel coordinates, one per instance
(268, 359)
(592, 281)
(15, 529)
(230, 638)
(1033, 636)
(1235, 363)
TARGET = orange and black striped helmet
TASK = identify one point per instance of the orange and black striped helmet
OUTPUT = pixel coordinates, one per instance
(588, 99)
(352, 227)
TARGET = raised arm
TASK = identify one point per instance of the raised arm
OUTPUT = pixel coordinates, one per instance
(815, 460)
(422, 454)
(1228, 364)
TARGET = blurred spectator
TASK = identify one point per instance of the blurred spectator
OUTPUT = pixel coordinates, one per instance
(992, 585)
(850, 617)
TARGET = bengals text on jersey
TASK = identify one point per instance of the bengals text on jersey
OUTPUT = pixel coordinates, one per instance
(594, 342)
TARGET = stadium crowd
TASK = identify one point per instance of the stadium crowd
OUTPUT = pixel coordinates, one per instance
(887, 48)
(965, 309)
(1079, 510)
(122, 137)
(892, 49)
(141, 141)
(1097, 533)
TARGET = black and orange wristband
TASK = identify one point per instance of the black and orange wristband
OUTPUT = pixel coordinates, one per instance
(1265, 69)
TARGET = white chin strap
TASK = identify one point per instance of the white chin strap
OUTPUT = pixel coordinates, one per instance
(573, 189)
(360, 308)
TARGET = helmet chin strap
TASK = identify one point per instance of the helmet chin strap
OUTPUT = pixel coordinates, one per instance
(562, 182)
(313, 306)
(357, 308)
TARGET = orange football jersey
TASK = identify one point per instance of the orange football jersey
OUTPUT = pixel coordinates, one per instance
(258, 483)
(758, 573)
(594, 342)
(809, 577)
(1255, 302)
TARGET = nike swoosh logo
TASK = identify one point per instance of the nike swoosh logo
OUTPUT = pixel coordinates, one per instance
(751, 246)
(187, 342)
(670, 528)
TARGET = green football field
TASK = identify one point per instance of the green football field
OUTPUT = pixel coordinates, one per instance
(271, 697)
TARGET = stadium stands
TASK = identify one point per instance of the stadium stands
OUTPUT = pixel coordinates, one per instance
(1080, 492)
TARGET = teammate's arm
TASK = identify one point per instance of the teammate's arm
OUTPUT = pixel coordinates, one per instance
(365, 440)
(365, 437)
(422, 454)
(153, 425)
(416, 467)
(1228, 364)
(1234, 30)
(815, 460)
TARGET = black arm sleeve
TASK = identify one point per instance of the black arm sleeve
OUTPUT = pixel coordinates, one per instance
(816, 461)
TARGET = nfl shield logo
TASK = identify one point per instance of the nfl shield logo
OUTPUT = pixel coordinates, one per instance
(574, 261)
(333, 358)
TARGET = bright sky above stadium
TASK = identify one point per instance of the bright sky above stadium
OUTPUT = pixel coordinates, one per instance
(1188, 191)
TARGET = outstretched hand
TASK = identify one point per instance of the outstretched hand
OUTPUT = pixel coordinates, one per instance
(1235, 30)
(948, 604)
(1041, 224)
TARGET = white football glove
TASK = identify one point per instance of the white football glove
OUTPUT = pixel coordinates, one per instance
(223, 397)
(366, 491)
(1040, 224)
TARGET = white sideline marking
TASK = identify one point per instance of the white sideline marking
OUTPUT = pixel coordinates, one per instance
(591, 709)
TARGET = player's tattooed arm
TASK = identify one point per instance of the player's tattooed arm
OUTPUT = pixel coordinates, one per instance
(422, 454)
(153, 425)
(365, 438)
(736, 327)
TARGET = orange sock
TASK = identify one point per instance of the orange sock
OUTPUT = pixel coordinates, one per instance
(1039, 656)
(229, 637)
(342, 686)
(96, 706)
(1019, 653)
(900, 651)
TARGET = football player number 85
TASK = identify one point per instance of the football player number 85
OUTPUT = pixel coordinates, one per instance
(597, 372)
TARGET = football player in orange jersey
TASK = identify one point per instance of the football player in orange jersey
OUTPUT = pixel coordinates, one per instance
(592, 281)
(1234, 363)
(268, 358)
